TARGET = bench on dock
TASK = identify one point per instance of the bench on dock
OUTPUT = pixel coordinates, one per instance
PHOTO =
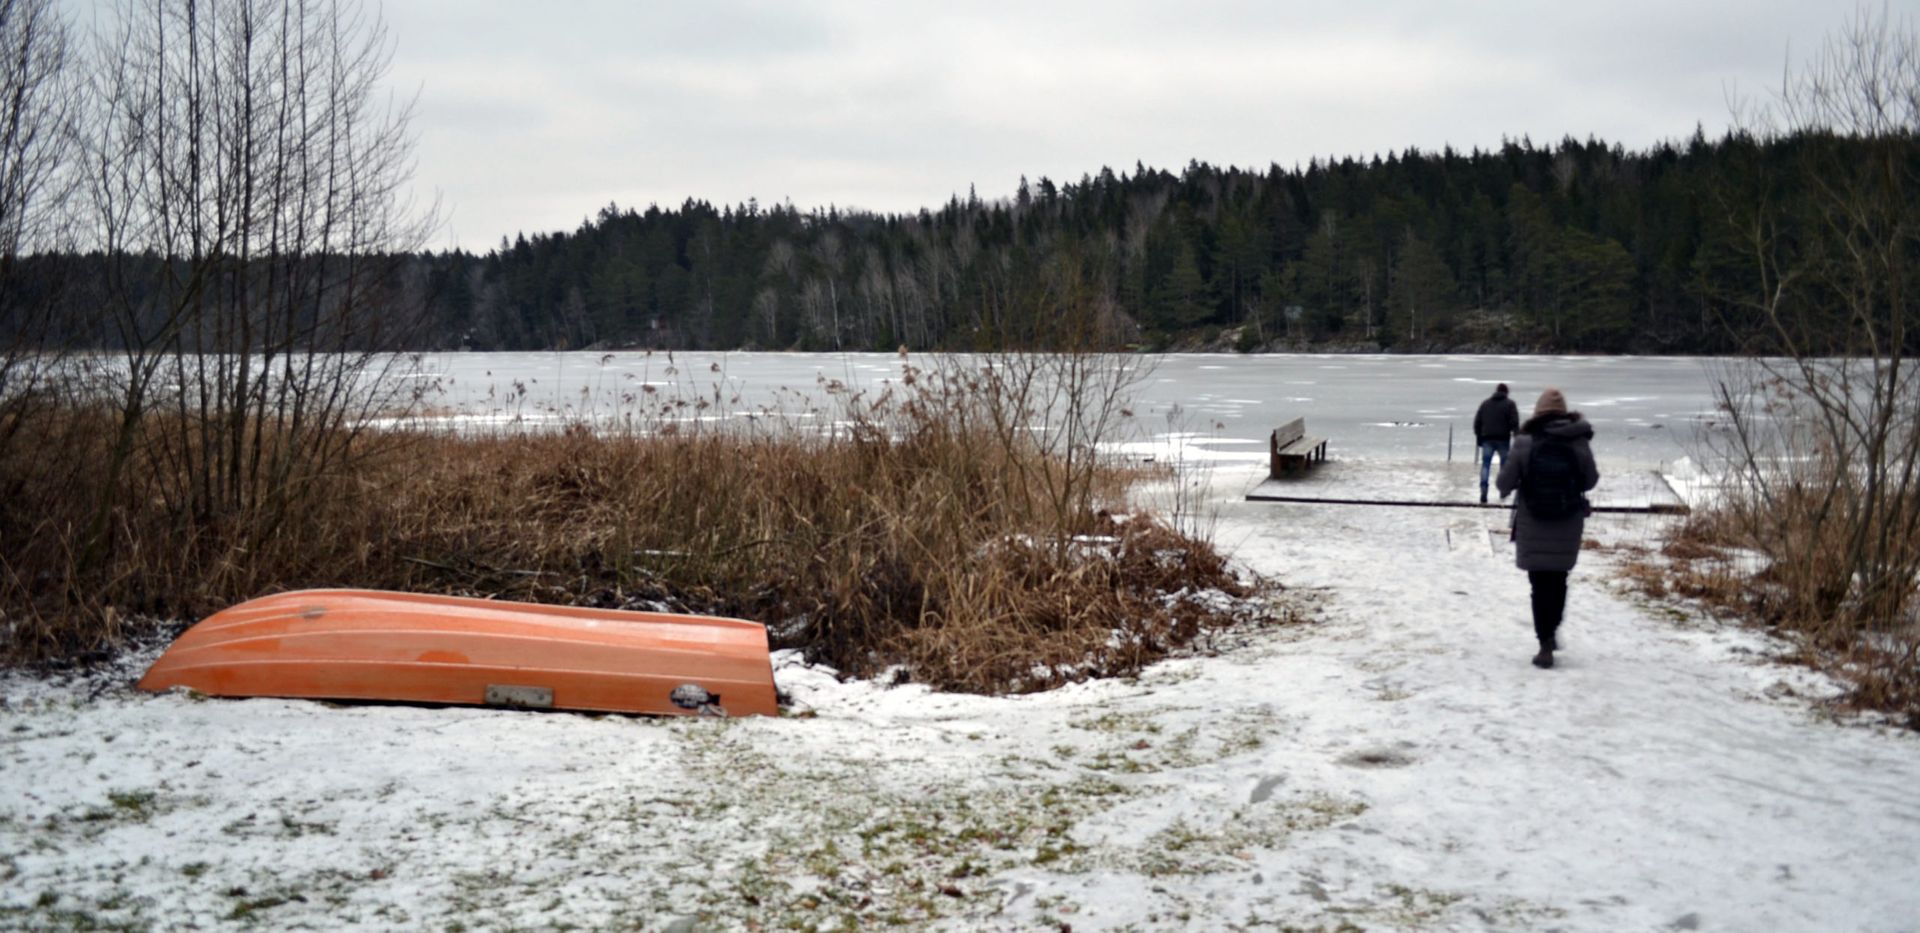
(1291, 450)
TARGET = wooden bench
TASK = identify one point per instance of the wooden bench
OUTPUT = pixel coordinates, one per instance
(1291, 450)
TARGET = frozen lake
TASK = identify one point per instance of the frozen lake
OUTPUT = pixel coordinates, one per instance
(1647, 411)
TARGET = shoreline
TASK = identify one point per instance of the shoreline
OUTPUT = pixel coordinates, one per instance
(1373, 766)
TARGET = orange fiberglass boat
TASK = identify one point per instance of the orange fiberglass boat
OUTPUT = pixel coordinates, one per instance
(373, 645)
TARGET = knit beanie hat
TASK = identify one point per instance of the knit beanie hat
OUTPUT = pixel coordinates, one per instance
(1500, 389)
(1551, 403)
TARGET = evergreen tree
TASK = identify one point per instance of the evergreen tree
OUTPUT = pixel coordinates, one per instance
(1420, 302)
(1581, 245)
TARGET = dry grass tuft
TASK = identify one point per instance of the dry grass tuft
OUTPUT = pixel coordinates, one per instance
(914, 539)
(1786, 574)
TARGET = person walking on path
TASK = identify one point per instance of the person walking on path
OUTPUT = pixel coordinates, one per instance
(1493, 427)
(1552, 467)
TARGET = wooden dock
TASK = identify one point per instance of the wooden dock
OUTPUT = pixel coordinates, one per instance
(1454, 486)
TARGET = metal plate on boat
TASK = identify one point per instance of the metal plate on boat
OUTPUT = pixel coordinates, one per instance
(690, 696)
(514, 695)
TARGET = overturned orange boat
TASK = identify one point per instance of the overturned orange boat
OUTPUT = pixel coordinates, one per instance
(416, 648)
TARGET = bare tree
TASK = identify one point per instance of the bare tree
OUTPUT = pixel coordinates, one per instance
(1060, 385)
(246, 178)
(830, 258)
(1824, 412)
(38, 106)
(766, 313)
(36, 126)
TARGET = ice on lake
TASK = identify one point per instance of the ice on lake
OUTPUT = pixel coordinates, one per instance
(1646, 411)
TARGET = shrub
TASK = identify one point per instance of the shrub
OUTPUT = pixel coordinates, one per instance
(919, 535)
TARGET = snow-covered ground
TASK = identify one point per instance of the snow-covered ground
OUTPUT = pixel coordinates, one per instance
(1391, 761)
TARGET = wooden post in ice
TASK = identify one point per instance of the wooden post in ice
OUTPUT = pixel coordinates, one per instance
(1449, 442)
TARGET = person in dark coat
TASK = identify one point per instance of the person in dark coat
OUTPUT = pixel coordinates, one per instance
(1546, 549)
(1493, 427)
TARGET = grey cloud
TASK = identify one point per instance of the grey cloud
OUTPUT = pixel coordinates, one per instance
(573, 33)
(534, 116)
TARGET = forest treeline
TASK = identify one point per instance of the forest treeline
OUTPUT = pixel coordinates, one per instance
(1579, 246)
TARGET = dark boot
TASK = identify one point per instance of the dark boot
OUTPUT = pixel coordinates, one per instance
(1483, 495)
(1544, 659)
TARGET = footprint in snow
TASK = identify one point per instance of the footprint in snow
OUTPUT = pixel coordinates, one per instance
(1377, 758)
(1264, 790)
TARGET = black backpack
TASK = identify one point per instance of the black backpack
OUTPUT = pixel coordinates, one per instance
(1551, 484)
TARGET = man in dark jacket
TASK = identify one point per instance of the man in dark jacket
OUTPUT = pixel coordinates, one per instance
(1493, 427)
(1546, 548)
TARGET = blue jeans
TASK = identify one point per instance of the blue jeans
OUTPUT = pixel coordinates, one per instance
(1487, 450)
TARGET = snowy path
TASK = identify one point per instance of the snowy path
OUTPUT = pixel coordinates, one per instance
(1645, 782)
(1395, 764)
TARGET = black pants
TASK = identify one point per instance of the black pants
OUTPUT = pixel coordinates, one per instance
(1549, 602)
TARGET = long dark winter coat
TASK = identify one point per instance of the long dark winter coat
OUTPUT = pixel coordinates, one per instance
(1497, 418)
(1540, 544)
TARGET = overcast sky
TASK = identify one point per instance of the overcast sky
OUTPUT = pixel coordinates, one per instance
(532, 116)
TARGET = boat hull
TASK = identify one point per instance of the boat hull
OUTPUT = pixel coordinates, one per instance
(417, 648)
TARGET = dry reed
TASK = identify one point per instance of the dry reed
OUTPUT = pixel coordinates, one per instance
(1782, 563)
(913, 539)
